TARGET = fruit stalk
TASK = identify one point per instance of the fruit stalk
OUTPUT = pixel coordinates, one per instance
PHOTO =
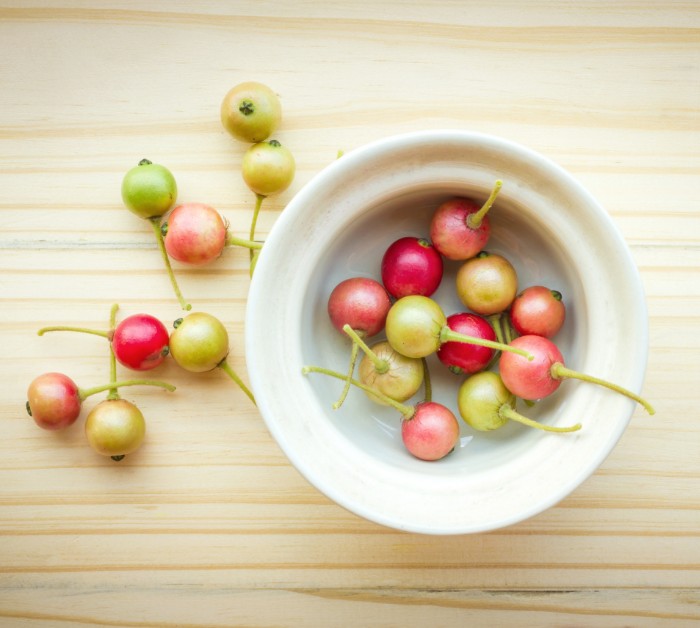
(382, 366)
(447, 335)
(226, 368)
(232, 240)
(84, 393)
(155, 224)
(83, 330)
(406, 411)
(351, 369)
(474, 220)
(507, 412)
(559, 371)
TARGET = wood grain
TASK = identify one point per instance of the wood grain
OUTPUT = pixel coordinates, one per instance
(209, 524)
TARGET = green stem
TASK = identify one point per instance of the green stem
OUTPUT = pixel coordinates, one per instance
(84, 393)
(155, 223)
(407, 411)
(259, 198)
(508, 330)
(559, 371)
(226, 368)
(427, 385)
(474, 220)
(448, 335)
(113, 393)
(83, 330)
(351, 370)
(381, 366)
(507, 412)
(232, 240)
(495, 320)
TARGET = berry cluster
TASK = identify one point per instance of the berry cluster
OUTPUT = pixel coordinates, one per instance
(501, 344)
(190, 233)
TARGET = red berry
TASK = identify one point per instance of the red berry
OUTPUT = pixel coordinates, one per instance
(411, 266)
(140, 342)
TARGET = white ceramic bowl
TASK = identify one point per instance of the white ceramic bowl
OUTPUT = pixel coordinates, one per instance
(338, 226)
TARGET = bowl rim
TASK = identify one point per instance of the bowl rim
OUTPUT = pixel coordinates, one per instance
(352, 162)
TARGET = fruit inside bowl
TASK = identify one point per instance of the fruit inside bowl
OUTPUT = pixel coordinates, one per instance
(339, 226)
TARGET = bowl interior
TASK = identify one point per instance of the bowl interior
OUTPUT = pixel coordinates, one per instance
(337, 227)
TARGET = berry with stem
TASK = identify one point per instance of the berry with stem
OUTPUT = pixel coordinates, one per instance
(196, 234)
(460, 227)
(140, 341)
(540, 377)
(486, 404)
(363, 304)
(149, 190)
(417, 327)
(200, 343)
(429, 430)
(387, 371)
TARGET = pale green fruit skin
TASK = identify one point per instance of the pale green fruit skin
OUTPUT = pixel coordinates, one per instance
(115, 427)
(479, 399)
(268, 168)
(487, 285)
(413, 326)
(149, 190)
(403, 379)
(199, 343)
(251, 112)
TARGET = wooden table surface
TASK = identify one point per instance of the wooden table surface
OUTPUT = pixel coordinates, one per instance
(208, 524)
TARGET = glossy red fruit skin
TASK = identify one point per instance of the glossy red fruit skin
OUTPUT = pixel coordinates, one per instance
(539, 311)
(411, 266)
(140, 342)
(432, 432)
(450, 233)
(461, 357)
(196, 234)
(361, 302)
(526, 379)
(54, 401)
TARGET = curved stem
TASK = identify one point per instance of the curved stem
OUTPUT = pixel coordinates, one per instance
(83, 330)
(474, 220)
(113, 393)
(84, 393)
(226, 368)
(232, 240)
(427, 385)
(155, 223)
(259, 198)
(381, 366)
(407, 411)
(448, 335)
(507, 412)
(351, 370)
(559, 371)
